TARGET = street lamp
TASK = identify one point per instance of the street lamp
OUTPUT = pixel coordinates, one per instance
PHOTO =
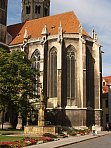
(41, 109)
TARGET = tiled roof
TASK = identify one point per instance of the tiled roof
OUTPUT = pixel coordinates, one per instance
(107, 80)
(69, 21)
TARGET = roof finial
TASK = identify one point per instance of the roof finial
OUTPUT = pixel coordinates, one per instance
(94, 34)
(60, 24)
(45, 30)
(60, 33)
(60, 29)
(26, 34)
(80, 29)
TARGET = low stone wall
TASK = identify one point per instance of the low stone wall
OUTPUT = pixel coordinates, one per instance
(6, 125)
(40, 130)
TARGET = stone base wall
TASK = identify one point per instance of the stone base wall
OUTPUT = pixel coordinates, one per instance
(40, 130)
(76, 117)
(6, 125)
(98, 114)
(84, 117)
(90, 117)
(70, 117)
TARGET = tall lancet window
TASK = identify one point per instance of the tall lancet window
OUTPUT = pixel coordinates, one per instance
(36, 65)
(70, 74)
(53, 73)
(37, 9)
(28, 9)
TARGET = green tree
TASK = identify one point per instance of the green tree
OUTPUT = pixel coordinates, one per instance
(16, 81)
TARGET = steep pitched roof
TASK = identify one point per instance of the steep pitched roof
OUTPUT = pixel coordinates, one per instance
(69, 21)
(107, 81)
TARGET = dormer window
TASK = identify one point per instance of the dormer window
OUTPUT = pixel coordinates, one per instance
(28, 9)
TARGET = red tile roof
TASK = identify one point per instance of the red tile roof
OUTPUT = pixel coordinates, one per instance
(69, 21)
(108, 81)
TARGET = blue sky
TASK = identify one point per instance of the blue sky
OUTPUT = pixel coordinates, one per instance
(91, 13)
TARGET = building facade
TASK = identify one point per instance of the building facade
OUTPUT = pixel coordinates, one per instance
(3, 22)
(106, 101)
(69, 61)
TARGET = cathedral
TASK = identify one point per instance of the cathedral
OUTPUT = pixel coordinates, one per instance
(67, 57)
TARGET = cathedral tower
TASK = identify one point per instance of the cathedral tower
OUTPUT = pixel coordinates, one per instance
(3, 20)
(35, 9)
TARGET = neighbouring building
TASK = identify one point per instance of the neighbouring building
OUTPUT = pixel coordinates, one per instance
(69, 61)
(3, 22)
(106, 100)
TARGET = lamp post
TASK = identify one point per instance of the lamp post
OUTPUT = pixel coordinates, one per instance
(41, 109)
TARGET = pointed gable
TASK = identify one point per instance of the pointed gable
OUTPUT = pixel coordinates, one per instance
(69, 21)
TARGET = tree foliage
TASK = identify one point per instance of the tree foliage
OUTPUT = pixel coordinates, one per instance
(16, 81)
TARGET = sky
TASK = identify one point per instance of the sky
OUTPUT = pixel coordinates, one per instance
(91, 13)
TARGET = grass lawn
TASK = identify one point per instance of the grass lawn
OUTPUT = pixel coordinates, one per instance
(10, 138)
(10, 132)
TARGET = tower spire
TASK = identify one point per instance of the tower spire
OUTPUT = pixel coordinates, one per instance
(32, 9)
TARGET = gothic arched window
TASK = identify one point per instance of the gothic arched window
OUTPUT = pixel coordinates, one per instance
(46, 11)
(37, 9)
(36, 65)
(28, 9)
(70, 73)
(53, 73)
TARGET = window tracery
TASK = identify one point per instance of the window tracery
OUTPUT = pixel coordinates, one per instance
(53, 73)
(36, 65)
(70, 73)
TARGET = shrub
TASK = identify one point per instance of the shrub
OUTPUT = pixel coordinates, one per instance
(47, 139)
(49, 135)
(5, 146)
(30, 141)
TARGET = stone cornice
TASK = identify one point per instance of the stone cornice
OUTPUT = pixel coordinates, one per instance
(73, 108)
(55, 37)
(17, 45)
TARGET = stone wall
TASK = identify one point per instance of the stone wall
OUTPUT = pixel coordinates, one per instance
(40, 130)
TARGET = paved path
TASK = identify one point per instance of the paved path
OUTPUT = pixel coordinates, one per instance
(100, 142)
(68, 141)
